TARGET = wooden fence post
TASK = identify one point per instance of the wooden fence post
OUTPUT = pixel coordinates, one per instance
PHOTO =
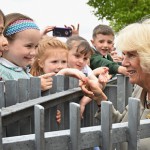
(39, 127)
(106, 125)
(121, 94)
(133, 123)
(75, 126)
(1, 134)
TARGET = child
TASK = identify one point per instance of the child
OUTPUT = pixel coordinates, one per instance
(3, 40)
(80, 52)
(103, 42)
(23, 36)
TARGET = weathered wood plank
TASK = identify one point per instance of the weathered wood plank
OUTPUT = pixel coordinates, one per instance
(35, 90)
(121, 94)
(106, 123)
(39, 127)
(134, 123)
(1, 133)
(11, 98)
(23, 91)
(2, 100)
(75, 126)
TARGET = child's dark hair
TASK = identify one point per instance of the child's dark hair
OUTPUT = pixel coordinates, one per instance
(80, 43)
(102, 29)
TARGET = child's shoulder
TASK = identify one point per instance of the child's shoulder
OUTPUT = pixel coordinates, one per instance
(5, 73)
(10, 73)
(96, 54)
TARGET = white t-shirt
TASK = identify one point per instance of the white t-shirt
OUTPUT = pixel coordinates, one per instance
(87, 70)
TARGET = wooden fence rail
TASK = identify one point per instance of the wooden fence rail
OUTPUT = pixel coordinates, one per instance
(77, 138)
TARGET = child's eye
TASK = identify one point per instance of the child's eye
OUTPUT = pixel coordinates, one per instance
(85, 58)
(110, 42)
(77, 56)
(29, 46)
(36, 46)
(101, 41)
(64, 62)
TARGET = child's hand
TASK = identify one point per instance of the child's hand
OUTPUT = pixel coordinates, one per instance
(104, 77)
(47, 29)
(100, 70)
(58, 117)
(75, 31)
(91, 89)
(46, 81)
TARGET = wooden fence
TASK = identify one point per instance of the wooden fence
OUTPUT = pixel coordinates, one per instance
(18, 99)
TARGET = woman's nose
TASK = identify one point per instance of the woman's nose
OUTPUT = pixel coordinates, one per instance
(125, 61)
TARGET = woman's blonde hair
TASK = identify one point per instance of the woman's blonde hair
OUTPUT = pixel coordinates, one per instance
(48, 46)
(136, 37)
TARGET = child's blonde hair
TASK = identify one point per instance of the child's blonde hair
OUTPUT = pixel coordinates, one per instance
(48, 46)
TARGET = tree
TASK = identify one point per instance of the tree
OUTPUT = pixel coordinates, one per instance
(120, 12)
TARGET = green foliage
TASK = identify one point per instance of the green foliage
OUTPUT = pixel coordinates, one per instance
(120, 12)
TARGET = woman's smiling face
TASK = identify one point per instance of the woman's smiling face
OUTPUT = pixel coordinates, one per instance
(131, 61)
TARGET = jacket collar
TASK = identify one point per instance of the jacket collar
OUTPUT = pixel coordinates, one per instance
(11, 66)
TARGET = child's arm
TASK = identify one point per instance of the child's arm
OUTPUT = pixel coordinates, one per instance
(84, 101)
(100, 70)
(73, 73)
(58, 116)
